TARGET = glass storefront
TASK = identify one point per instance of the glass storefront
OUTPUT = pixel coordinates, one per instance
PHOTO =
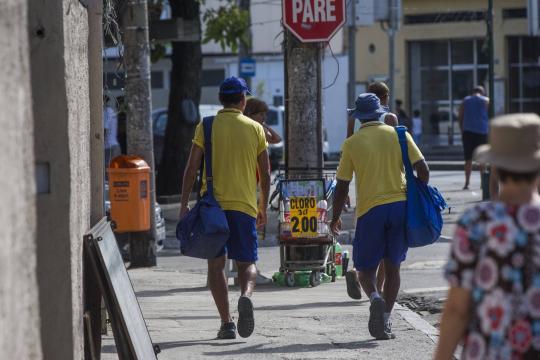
(442, 73)
(524, 74)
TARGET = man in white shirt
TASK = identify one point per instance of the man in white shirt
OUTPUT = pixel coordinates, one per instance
(110, 124)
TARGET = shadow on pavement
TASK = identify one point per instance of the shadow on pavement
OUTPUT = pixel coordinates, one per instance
(311, 305)
(192, 317)
(209, 342)
(296, 348)
(155, 293)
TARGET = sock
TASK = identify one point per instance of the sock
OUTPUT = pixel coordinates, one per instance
(386, 317)
(374, 295)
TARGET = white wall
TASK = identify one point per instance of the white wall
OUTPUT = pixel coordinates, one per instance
(335, 100)
(19, 304)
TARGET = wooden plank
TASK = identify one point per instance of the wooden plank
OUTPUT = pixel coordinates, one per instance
(129, 328)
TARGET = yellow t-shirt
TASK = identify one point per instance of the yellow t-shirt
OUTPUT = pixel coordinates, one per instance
(374, 155)
(237, 141)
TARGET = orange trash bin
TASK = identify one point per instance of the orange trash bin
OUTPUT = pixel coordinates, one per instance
(129, 193)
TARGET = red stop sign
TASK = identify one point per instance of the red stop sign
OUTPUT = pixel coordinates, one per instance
(313, 20)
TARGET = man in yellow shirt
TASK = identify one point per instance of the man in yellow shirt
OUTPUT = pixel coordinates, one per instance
(238, 150)
(373, 155)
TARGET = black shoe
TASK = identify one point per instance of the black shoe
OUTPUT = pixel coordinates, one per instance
(227, 331)
(353, 285)
(246, 321)
(376, 318)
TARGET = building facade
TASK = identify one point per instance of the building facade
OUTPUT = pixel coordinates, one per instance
(442, 53)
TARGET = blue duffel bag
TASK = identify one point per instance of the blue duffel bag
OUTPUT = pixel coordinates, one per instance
(424, 203)
(204, 231)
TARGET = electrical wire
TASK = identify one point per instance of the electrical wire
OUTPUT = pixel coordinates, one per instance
(337, 62)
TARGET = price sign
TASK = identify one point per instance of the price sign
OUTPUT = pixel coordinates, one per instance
(303, 216)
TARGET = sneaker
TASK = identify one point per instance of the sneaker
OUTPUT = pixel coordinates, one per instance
(227, 331)
(246, 321)
(388, 334)
(353, 285)
(376, 318)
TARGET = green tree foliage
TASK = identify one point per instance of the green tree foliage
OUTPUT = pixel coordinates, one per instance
(227, 25)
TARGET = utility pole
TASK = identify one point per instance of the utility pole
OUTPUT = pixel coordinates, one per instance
(352, 52)
(393, 25)
(92, 294)
(303, 104)
(139, 123)
(491, 72)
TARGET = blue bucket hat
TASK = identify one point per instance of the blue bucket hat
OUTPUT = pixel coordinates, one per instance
(367, 107)
(234, 85)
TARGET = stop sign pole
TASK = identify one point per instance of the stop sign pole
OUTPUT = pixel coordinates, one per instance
(309, 25)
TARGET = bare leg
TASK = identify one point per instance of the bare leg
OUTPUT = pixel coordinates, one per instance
(468, 170)
(380, 277)
(391, 284)
(247, 274)
(217, 282)
(367, 280)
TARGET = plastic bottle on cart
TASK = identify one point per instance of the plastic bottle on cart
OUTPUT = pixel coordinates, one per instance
(286, 217)
(322, 226)
(338, 259)
(345, 261)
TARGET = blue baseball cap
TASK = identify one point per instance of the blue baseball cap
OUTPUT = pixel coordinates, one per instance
(234, 85)
(367, 107)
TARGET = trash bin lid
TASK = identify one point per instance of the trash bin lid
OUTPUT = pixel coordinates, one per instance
(128, 162)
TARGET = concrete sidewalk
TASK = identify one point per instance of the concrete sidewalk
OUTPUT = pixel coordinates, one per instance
(291, 323)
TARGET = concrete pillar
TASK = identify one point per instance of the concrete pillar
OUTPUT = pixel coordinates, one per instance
(59, 73)
(19, 306)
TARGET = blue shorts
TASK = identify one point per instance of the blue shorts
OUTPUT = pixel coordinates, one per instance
(380, 234)
(242, 243)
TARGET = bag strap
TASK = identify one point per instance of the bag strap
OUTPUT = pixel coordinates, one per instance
(401, 131)
(207, 128)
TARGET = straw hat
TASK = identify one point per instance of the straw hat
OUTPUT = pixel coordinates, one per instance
(514, 143)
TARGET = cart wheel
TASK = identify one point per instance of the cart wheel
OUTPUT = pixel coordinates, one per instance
(289, 279)
(315, 278)
(334, 274)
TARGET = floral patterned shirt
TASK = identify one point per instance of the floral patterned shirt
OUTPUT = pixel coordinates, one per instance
(496, 255)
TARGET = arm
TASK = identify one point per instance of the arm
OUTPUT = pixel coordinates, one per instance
(264, 181)
(271, 136)
(190, 174)
(460, 117)
(391, 119)
(422, 170)
(342, 190)
(350, 126)
(454, 320)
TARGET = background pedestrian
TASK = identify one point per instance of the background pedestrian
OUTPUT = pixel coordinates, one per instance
(473, 123)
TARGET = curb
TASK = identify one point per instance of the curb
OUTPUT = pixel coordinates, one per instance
(422, 325)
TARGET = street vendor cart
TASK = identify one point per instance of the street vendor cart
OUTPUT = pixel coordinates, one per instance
(305, 240)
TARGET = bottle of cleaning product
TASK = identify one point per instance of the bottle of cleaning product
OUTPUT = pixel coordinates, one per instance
(338, 260)
(322, 226)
